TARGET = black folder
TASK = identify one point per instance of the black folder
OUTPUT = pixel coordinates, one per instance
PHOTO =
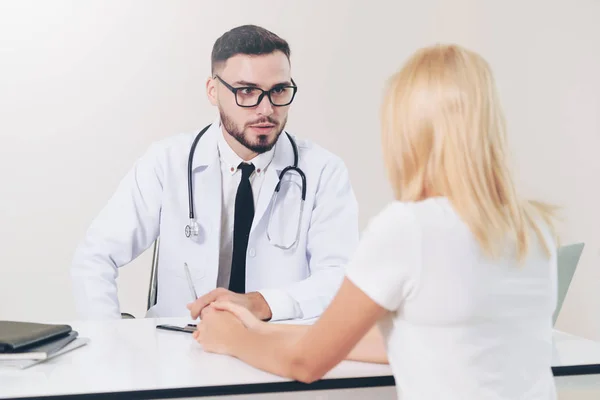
(17, 335)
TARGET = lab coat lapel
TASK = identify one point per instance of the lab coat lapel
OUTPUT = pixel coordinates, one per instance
(281, 158)
(207, 192)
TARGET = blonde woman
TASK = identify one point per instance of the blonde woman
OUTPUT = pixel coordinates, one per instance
(457, 274)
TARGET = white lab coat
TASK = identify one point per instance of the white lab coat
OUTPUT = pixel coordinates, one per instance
(152, 201)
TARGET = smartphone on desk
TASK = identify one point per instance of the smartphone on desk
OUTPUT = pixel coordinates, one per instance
(189, 328)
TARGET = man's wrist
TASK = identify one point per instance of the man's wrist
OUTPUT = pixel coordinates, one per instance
(260, 307)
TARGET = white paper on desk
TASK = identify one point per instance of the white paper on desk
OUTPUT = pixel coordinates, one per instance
(22, 364)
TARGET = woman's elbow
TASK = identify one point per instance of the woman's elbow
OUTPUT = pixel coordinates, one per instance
(304, 371)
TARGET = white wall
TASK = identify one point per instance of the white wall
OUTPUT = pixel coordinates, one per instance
(86, 86)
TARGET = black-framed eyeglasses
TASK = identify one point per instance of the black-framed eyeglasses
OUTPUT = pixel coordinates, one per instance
(251, 96)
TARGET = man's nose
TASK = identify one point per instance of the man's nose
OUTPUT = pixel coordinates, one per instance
(265, 107)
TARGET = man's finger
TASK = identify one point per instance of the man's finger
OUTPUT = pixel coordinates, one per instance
(227, 305)
(197, 306)
(241, 312)
(206, 311)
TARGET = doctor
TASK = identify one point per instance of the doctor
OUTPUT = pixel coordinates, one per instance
(231, 226)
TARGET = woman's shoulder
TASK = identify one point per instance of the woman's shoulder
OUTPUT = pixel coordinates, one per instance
(413, 221)
(393, 213)
(432, 208)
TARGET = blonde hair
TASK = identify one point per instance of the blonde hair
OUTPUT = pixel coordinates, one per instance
(443, 134)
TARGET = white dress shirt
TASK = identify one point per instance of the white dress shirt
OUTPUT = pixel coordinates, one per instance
(231, 176)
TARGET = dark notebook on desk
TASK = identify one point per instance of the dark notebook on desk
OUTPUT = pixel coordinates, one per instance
(18, 336)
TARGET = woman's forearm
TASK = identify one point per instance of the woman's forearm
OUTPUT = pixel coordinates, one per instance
(371, 348)
(301, 352)
(270, 348)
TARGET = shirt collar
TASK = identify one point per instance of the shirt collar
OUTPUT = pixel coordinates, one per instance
(232, 160)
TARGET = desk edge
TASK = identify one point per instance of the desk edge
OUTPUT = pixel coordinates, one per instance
(230, 390)
(276, 387)
(569, 370)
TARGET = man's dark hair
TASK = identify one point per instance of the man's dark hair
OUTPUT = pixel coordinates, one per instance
(246, 39)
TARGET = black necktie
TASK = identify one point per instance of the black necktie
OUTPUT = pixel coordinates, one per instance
(244, 214)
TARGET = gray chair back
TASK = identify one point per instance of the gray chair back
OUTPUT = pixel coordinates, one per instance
(152, 290)
(153, 287)
(567, 260)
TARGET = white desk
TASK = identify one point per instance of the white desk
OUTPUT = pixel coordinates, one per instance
(130, 359)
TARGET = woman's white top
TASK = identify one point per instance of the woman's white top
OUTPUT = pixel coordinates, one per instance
(460, 325)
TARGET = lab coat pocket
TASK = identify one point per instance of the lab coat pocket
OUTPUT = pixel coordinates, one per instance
(179, 271)
(176, 288)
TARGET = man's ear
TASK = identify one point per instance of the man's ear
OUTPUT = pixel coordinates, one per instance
(211, 91)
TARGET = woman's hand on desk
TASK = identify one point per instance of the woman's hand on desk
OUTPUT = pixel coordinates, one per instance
(303, 353)
(223, 323)
(218, 330)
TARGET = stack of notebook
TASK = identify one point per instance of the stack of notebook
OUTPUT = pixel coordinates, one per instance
(23, 344)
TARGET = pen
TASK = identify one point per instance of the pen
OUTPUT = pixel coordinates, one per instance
(189, 279)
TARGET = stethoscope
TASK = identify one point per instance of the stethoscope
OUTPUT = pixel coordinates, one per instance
(193, 229)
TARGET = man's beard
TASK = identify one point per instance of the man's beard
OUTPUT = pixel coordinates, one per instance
(262, 145)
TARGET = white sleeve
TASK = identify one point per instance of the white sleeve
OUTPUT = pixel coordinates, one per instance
(387, 262)
(126, 226)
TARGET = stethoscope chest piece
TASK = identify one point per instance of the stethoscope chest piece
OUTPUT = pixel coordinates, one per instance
(192, 230)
